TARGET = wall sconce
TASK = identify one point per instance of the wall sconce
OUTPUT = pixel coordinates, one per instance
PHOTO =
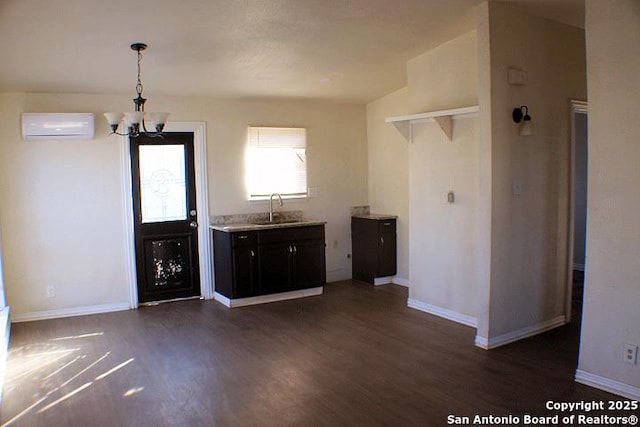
(521, 115)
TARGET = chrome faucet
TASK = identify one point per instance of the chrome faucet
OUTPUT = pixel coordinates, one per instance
(271, 205)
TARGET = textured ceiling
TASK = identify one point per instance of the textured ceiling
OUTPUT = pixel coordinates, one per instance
(345, 50)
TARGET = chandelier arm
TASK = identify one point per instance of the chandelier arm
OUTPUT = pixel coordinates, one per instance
(139, 126)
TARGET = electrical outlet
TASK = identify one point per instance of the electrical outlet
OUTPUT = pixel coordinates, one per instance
(630, 354)
(51, 291)
(517, 187)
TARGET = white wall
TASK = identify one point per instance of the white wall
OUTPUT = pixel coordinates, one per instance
(612, 285)
(437, 241)
(444, 77)
(442, 249)
(526, 292)
(61, 206)
(389, 170)
(443, 235)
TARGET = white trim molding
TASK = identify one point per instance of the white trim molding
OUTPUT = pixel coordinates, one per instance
(262, 299)
(382, 280)
(400, 281)
(202, 205)
(443, 312)
(520, 334)
(70, 312)
(338, 275)
(606, 384)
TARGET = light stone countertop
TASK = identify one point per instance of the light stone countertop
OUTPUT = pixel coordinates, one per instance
(230, 228)
(380, 217)
(260, 221)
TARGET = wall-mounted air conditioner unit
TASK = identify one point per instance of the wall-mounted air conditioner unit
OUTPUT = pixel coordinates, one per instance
(38, 126)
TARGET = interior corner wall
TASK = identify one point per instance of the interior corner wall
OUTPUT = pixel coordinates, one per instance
(612, 277)
(526, 290)
(61, 201)
(444, 77)
(388, 169)
(443, 239)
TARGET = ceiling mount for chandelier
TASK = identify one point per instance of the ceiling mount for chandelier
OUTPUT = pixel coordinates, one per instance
(136, 122)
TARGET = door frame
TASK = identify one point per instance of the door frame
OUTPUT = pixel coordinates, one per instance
(202, 206)
(575, 107)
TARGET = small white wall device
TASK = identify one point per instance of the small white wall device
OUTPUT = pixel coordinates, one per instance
(42, 126)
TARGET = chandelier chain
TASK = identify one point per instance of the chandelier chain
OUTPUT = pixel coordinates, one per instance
(139, 83)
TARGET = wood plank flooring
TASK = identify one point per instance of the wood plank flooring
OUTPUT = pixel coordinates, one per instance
(355, 356)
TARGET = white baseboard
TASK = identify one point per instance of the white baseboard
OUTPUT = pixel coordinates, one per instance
(338, 275)
(443, 312)
(382, 280)
(70, 312)
(263, 299)
(527, 332)
(400, 281)
(606, 384)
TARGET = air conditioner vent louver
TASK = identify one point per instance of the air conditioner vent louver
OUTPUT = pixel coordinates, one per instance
(41, 126)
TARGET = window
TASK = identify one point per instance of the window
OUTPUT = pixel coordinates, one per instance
(276, 162)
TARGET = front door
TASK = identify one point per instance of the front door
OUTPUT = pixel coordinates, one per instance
(164, 203)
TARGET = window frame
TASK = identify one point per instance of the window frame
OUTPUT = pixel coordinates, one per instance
(270, 133)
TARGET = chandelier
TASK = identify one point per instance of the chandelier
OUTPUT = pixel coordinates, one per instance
(136, 122)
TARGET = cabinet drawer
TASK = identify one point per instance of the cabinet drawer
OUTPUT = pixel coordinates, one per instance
(387, 226)
(246, 238)
(280, 235)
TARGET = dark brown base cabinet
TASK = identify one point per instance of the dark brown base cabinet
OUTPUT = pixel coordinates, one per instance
(268, 261)
(373, 243)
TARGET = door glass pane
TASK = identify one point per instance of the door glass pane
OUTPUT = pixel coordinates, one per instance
(163, 192)
(170, 262)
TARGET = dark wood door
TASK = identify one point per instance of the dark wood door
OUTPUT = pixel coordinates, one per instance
(308, 264)
(275, 267)
(388, 248)
(245, 272)
(164, 203)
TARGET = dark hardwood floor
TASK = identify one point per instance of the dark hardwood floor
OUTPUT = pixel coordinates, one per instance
(355, 356)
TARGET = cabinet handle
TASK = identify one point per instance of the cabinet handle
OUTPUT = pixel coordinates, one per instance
(381, 240)
(290, 249)
(386, 223)
(295, 250)
(253, 254)
(243, 236)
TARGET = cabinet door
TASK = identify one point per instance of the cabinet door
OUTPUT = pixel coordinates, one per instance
(387, 254)
(275, 267)
(365, 246)
(308, 264)
(245, 272)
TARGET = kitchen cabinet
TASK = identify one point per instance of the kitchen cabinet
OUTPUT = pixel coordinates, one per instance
(374, 248)
(269, 261)
(292, 258)
(236, 263)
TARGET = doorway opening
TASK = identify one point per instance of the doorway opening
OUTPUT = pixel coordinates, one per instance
(577, 211)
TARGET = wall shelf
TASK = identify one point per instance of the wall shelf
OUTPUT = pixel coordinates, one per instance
(444, 119)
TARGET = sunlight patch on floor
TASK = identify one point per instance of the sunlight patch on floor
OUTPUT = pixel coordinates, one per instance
(132, 391)
(75, 337)
(53, 364)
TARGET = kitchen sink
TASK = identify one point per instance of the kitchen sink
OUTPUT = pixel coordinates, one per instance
(279, 221)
